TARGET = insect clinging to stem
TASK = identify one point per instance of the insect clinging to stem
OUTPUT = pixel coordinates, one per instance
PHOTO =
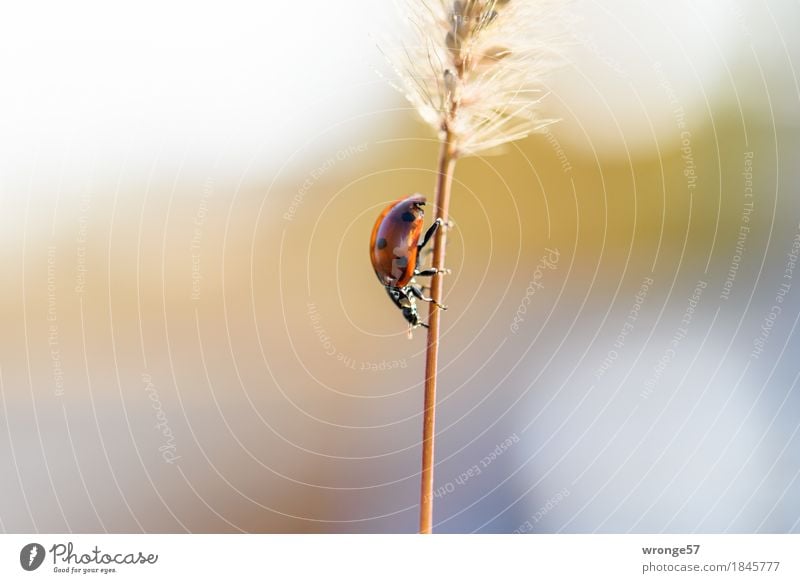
(394, 250)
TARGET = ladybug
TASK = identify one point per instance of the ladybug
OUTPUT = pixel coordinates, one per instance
(394, 249)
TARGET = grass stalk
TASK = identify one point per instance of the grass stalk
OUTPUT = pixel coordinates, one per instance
(444, 182)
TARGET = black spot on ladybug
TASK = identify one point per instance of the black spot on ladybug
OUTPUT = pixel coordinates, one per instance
(381, 243)
(402, 262)
(408, 217)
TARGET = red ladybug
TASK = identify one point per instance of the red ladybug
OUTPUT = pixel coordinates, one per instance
(394, 251)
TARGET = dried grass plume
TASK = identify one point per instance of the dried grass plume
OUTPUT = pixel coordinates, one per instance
(476, 69)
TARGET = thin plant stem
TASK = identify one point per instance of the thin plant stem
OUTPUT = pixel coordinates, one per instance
(475, 78)
(444, 181)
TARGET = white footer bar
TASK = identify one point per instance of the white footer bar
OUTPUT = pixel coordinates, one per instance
(511, 558)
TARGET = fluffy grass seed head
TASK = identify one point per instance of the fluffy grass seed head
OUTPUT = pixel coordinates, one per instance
(477, 67)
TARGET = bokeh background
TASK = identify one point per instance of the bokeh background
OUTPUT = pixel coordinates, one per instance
(193, 339)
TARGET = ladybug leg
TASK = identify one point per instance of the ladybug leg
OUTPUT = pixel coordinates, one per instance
(432, 271)
(429, 233)
(421, 251)
(416, 291)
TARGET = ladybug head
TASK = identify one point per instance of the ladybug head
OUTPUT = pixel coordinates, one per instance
(411, 316)
(416, 202)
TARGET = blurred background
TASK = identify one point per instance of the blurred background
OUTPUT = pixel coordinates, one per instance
(194, 340)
